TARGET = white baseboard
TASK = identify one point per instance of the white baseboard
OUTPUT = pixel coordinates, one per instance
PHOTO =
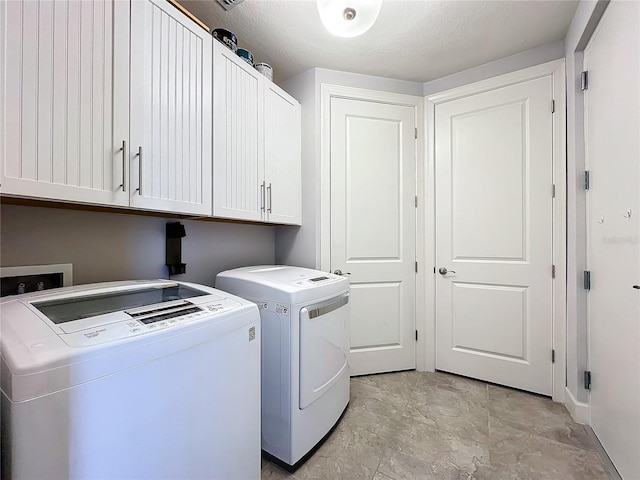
(580, 412)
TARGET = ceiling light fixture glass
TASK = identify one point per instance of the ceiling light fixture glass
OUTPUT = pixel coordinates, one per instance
(348, 18)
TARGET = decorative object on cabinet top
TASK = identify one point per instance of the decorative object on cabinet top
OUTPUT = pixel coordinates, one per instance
(246, 55)
(265, 69)
(227, 38)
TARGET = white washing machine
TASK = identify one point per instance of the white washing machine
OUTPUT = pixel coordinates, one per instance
(305, 343)
(144, 380)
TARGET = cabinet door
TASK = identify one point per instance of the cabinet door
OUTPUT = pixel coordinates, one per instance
(170, 110)
(64, 76)
(282, 157)
(238, 174)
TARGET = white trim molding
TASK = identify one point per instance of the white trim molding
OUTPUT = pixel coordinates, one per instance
(555, 69)
(580, 411)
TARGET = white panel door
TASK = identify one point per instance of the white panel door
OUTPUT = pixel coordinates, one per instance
(373, 221)
(170, 110)
(238, 172)
(494, 235)
(612, 127)
(64, 76)
(282, 162)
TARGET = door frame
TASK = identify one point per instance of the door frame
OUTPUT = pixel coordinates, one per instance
(323, 220)
(427, 323)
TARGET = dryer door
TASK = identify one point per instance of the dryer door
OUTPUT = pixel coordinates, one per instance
(324, 345)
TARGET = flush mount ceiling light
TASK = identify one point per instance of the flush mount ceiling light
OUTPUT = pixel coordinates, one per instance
(348, 18)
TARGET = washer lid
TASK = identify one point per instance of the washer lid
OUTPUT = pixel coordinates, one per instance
(69, 309)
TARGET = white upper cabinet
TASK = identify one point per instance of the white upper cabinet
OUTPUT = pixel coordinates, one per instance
(90, 115)
(170, 154)
(282, 156)
(256, 153)
(238, 171)
(64, 77)
(111, 102)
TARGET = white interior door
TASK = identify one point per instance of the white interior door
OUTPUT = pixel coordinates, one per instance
(612, 128)
(494, 164)
(373, 221)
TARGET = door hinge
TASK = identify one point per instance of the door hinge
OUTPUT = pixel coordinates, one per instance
(416, 133)
(416, 267)
(416, 201)
(587, 180)
(553, 106)
(584, 80)
(587, 380)
(416, 335)
(553, 271)
(553, 356)
(587, 280)
(553, 191)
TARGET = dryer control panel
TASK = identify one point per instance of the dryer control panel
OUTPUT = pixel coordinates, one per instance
(318, 280)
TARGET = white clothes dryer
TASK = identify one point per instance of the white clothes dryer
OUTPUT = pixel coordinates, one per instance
(140, 379)
(305, 342)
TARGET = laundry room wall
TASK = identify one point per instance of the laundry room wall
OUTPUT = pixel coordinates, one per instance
(512, 63)
(113, 246)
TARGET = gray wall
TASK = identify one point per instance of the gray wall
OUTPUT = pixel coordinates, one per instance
(299, 245)
(528, 58)
(112, 246)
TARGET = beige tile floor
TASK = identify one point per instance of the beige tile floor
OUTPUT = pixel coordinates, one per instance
(417, 425)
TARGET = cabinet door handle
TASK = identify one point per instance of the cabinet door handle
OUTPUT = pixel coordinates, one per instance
(262, 196)
(139, 155)
(270, 199)
(124, 163)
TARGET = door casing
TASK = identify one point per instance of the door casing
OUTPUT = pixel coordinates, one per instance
(426, 224)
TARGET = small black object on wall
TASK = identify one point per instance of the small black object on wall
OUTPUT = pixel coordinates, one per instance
(175, 232)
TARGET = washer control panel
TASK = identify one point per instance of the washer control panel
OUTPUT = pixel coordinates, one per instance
(148, 323)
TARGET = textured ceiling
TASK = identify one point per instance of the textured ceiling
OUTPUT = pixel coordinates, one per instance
(411, 40)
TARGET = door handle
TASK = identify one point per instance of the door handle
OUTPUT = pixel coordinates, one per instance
(337, 271)
(124, 165)
(139, 155)
(444, 271)
(262, 204)
(637, 287)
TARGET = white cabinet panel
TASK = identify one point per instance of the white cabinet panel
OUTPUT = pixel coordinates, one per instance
(239, 191)
(282, 156)
(170, 110)
(63, 66)
(257, 162)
